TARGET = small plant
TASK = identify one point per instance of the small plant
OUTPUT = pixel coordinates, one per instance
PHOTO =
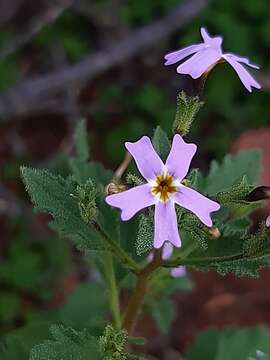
(177, 213)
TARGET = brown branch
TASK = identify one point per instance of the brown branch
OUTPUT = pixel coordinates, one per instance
(138, 295)
(38, 23)
(24, 96)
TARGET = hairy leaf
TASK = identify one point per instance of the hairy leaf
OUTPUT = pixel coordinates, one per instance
(67, 344)
(223, 176)
(232, 344)
(144, 241)
(161, 143)
(52, 194)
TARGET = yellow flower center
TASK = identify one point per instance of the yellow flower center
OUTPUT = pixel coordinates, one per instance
(164, 187)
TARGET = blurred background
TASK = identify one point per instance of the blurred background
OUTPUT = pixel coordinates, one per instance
(63, 60)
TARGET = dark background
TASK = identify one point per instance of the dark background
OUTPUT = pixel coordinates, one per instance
(62, 60)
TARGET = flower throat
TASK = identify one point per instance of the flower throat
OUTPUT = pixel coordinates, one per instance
(164, 187)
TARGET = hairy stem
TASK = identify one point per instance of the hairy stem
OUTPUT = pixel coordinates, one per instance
(113, 291)
(117, 250)
(196, 260)
(137, 297)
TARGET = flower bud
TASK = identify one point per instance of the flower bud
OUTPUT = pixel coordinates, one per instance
(259, 193)
(115, 188)
(187, 109)
(86, 195)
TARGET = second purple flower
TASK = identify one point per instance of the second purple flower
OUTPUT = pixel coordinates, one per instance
(163, 189)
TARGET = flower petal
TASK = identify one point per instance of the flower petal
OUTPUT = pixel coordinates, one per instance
(179, 271)
(200, 62)
(247, 80)
(132, 201)
(200, 205)
(179, 55)
(241, 59)
(167, 250)
(213, 41)
(146, 158)
(180, 157)
(166, 228)
(267, 221)
(205, 35)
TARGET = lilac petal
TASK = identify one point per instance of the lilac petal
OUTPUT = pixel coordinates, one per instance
(200, 62)
(167, 250)
(146, 158)
(197, 203)
(180, 157)
(179, 55)
(267, 221)
(132, 201)
(205, 35)
(243, 60)
(166, 228)
(247, 80)
(179, 271)
(213, 41)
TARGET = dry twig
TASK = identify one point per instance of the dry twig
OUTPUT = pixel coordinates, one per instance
(38, 23)
(24, 97)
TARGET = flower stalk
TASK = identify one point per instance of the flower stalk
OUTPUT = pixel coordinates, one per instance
(109, 274)
(137, 297)
(117, 250)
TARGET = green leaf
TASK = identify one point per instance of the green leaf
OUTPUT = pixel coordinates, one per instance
(237, 192)
(207, 342)
(161, 143)
(223, 176)
(192, 226)
(18, 343)
(9, 306)
(243, 257)
(231, 344)
(144, 241)
(82, 171)
(85, 306)
(52, 194)
(163, 311)
(67, 344)
(21, 269)
(112, 344)
(233, 227)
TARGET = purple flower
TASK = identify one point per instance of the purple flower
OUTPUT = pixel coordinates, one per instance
(267, 222)
(206, 55)
(163, 189)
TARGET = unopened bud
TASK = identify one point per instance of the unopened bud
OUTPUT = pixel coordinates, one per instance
(115, 188)
(185, 182)
(86, 195)
(213, 232)
(259, 193)
(187, 109)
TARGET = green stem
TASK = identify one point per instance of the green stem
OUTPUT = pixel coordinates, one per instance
(113, 291)
(118, 251)
(191, 261)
